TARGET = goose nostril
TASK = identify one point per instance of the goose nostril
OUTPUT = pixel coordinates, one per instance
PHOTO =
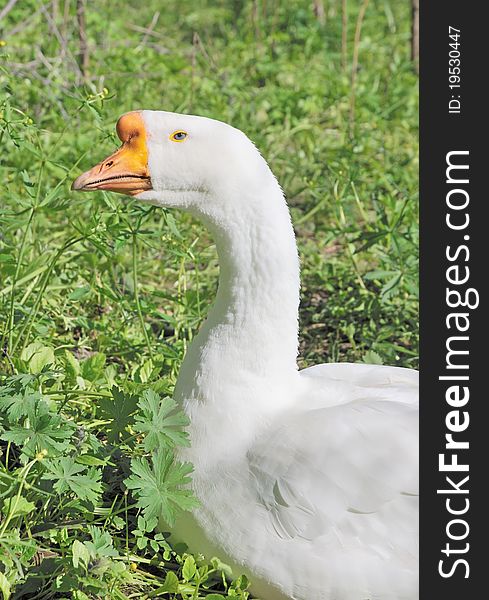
(109, 163)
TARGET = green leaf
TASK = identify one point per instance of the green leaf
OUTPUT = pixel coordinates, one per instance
(92, 368)
(147, 525)
(81, 554)
(91, 461)
(18, 383)
(119, 410)
(38, 356)
(4, 586)
(220, 566)
(72, 365)
(145, 371)
(158, 487)
(67, 476)
(241, 583)
(79, 293)
(41, 430)
(101, 544)
(161, 422)
(379, 274)
(19, 405)
(18, 506)
(372, 358)
(189, 568)
(172, 225)
(391, 284)
(171, 583)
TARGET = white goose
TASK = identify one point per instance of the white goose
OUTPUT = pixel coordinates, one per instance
(307, 480)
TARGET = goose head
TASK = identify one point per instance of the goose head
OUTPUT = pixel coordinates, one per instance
(183, 161)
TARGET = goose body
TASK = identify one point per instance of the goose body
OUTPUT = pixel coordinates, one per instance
(307, 480)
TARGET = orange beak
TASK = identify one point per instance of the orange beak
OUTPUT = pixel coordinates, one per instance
(126, 171)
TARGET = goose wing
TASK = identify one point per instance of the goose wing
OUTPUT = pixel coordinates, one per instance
(325, 471)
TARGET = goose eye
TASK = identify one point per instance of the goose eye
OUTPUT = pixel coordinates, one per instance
(178, 136)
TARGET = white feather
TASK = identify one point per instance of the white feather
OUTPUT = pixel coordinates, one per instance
(307, 479)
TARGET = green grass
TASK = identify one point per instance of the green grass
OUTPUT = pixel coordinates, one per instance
(100, 296)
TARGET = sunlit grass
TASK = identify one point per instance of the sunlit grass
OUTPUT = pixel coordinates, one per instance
(101, 292)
